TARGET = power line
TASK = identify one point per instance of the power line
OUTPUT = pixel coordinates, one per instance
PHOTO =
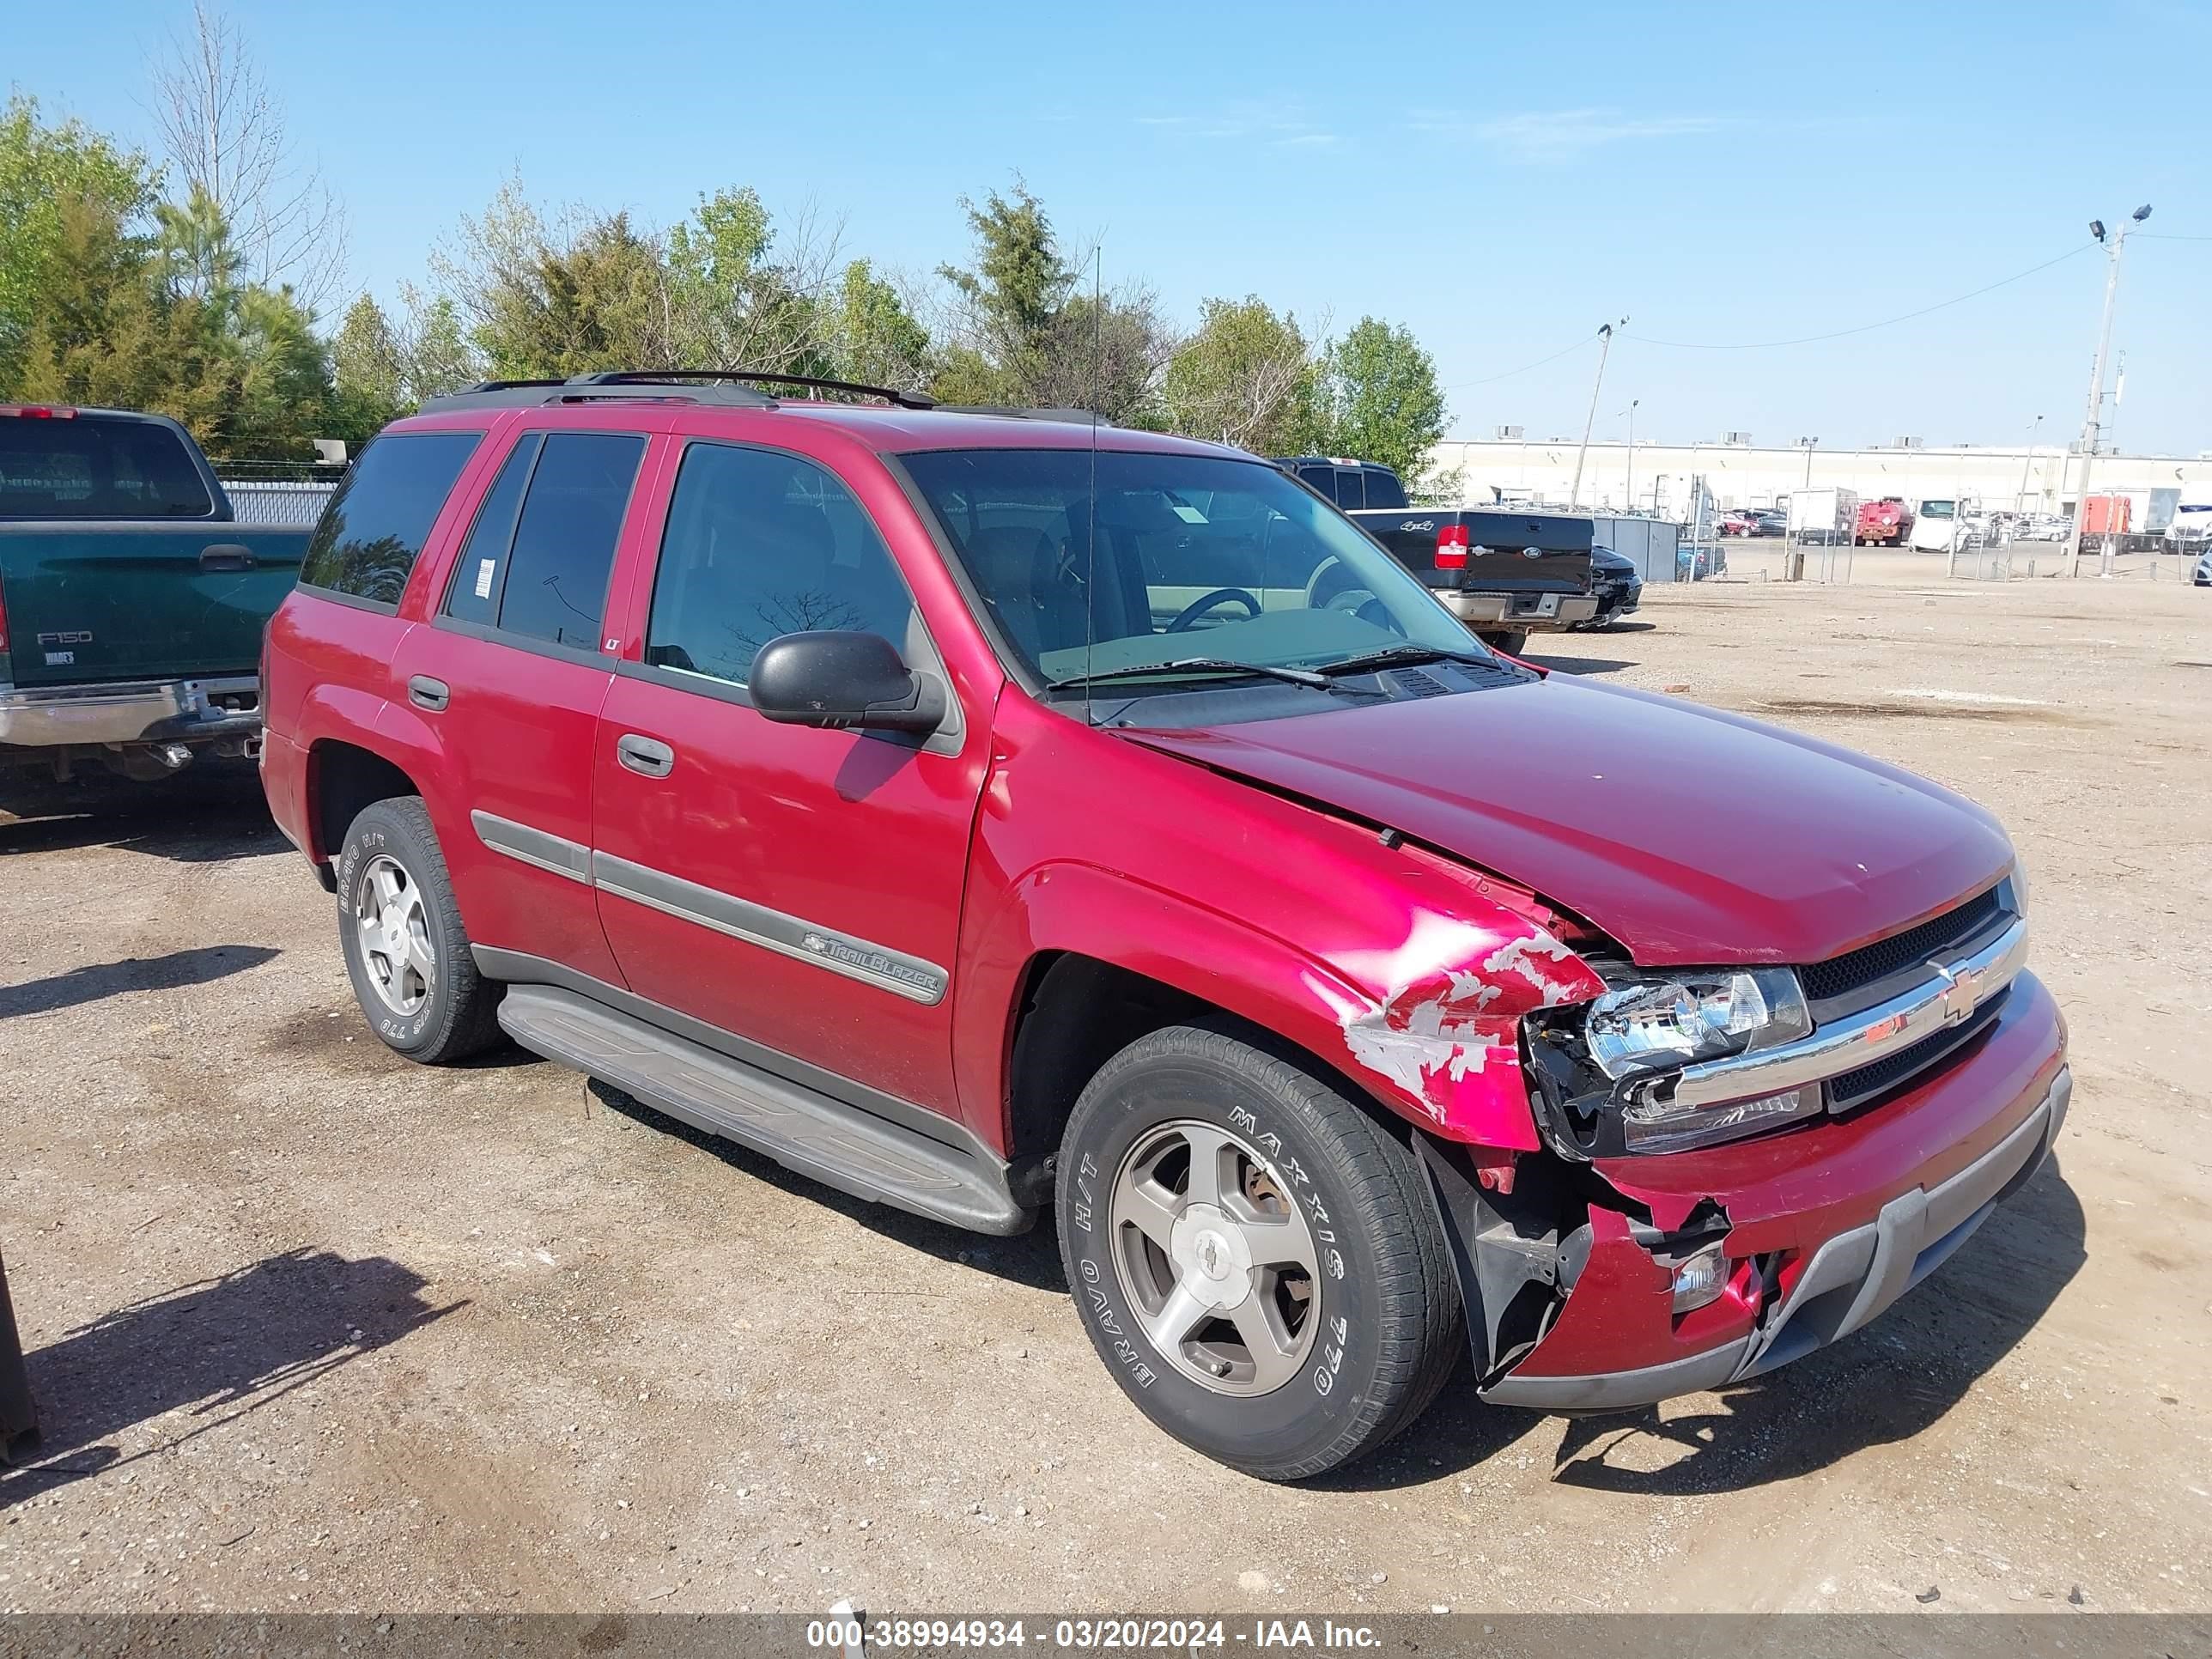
(2170, 236)
(1868, 328)
(1461, 385)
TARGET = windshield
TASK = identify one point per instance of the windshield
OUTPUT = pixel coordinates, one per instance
(1935, 509)
(1194, 556)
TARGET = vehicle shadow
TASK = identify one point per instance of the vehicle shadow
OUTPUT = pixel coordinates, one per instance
(1031, 1259)
(96, 981)
(211, 1351)
(211, 813)
(1579, 665)
(1887, 1383)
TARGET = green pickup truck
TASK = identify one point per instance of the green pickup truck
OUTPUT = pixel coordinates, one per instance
(131, 601)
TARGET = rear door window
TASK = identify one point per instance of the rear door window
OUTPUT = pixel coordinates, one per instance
(1351, 489)
(1323, 478)
(373, 531)
(554, 586)
(87, 466)
(472, 593)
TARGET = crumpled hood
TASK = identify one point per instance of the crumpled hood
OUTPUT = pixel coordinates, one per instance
(1688, 834)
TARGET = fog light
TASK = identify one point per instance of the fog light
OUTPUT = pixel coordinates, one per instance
(1663, 1126)
(1700, 1278)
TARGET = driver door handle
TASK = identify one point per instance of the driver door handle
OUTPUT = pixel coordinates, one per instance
(646, 757)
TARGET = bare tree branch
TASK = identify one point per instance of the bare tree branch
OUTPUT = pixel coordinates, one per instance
(225, 136)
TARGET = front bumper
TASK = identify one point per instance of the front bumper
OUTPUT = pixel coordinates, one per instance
(141, 711)
(1850, 1213)
(1534, 611)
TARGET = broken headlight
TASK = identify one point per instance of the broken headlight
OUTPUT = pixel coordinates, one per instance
(1707, 1015)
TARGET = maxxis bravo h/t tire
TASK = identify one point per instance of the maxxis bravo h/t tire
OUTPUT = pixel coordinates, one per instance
(1378, 1330)
(413, 975)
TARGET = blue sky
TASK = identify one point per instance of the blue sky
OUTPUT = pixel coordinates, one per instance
(1501, 179)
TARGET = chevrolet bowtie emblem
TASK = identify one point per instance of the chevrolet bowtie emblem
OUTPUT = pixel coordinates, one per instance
(1961, 995)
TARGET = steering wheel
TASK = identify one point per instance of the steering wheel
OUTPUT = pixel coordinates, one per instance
(1220, 596)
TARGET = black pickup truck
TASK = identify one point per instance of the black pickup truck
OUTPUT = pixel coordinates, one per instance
(1505, 574)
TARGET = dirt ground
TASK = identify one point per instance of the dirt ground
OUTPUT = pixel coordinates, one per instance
(316, 1329)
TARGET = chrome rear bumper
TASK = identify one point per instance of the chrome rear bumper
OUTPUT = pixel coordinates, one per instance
(134, 711)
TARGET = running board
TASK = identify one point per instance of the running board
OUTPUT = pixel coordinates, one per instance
(804, 1130)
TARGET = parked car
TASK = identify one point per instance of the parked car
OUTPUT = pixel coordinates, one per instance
(131, 604)
(1938, 527)
(1695, 561)
(2044, 527)
(863, 785)
(2190, 526)
(1737, 522)
(1617, 586)
(2203, 577)
(1769, 521)
(1505, 574)
(1885, 523)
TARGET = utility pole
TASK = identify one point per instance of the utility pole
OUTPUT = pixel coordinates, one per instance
(1628, 483)
(2027, 458)
(1605, 347)
(2097, 391)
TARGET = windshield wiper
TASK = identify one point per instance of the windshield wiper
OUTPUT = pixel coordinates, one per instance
(1304, 677)
(1401, 656)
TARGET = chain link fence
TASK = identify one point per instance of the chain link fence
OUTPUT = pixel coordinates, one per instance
(288, 493)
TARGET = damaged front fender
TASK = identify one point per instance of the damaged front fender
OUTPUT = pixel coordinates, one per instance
(1447, 1037)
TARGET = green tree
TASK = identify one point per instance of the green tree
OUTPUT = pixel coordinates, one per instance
(1377, 398)
(368, 372)
(1029, 334)
(48, 172)
(1245, 378)
(874, 338)
(1010, 301)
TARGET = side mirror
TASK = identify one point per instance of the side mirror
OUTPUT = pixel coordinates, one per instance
(842, 682)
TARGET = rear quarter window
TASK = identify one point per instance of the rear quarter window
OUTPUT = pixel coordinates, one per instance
(1384, 488)
(373, 532)
(87, 466)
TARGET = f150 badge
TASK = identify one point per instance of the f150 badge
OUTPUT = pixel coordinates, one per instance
(73, 636)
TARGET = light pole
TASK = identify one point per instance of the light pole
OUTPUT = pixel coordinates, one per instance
(2113, 249)
(1605, 347)
(2025, 460)
(1811, 444)
(1628, 483)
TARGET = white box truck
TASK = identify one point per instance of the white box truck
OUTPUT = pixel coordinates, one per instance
(1824, 516)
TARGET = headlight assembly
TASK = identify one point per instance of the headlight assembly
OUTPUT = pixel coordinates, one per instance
(1697, 1016)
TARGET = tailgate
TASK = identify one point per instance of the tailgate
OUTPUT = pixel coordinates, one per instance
(134, 600)
(1507, 552)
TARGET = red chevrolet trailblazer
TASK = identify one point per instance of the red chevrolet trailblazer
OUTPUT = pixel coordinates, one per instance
(979, 811)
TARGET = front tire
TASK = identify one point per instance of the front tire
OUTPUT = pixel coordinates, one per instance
(405, 950)
(1255, 1257)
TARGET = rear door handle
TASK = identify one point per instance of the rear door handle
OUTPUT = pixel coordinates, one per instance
(227, 555)
(426, 693)
(644, 755)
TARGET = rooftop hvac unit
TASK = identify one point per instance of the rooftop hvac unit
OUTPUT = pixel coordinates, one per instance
(1507, 433)
(1740, 439)
(1906, 443)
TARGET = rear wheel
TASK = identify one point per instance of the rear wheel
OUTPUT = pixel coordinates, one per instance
(1256, 1258)
(1511, 641)
(406, 951)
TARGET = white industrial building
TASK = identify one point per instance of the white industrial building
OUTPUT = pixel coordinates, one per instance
(1656, 477)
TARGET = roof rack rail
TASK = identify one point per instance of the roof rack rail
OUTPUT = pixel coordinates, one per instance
(810, 382)
(588, 389)
(1015, 412)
